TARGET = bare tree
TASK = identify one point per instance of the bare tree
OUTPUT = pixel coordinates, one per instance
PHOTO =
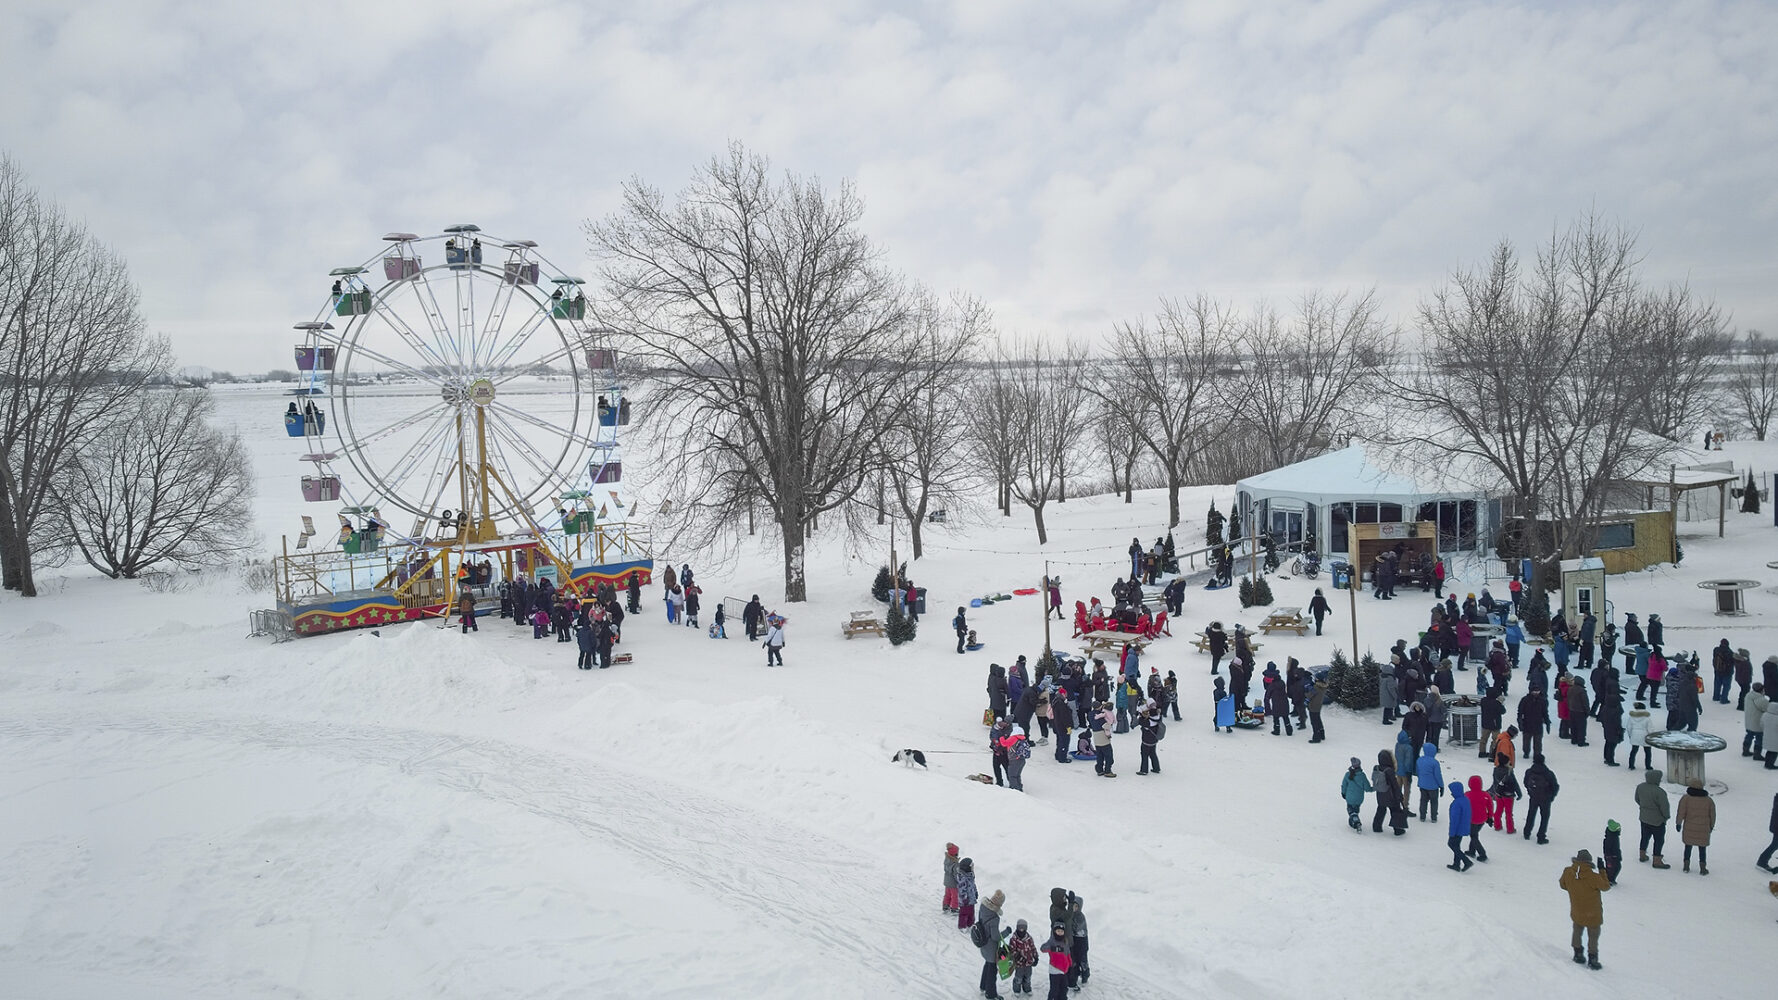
(73, 348)
(1296, 380)
(1753, 384)
(993, 430)
(1161, 378)
(181, 492)
(1689, 337)
(1536, 382)
(927, 464)
(787, 350)
(1116, 434)
(1043, 395)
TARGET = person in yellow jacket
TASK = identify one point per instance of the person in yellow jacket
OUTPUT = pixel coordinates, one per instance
(1584, 883)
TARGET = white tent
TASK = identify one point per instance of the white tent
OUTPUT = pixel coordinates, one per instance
(1310, 504)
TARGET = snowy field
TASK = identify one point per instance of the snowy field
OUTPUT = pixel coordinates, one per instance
(188, 813)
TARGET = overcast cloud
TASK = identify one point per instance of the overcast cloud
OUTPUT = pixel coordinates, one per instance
(1070, 163)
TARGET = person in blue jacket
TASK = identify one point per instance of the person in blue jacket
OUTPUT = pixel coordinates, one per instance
(1458, 814)
(1432, 781)
(1353, 788)
(1407, 758)
(1514, 637)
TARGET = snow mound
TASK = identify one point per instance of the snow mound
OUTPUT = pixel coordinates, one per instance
(412, 674)
(174, 628)
(38, 630)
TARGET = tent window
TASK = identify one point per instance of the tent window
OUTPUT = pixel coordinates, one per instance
(1339, 516)
(1388, 513)
(1367, 514)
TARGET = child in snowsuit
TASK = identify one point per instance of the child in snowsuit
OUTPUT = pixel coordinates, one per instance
(1481, 813)
(1173, 694)
(539, 623)
(718, 624)
(1057, 950)
(1353, 788)
(1458, 818)
(949, 904)
(1021, 950)
(1505, 791)
(965, 894)
(1611, 852)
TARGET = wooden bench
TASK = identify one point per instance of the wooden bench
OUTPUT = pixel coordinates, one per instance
(1199, 640)
(862, 623)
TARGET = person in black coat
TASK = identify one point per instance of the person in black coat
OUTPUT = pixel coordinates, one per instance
(961, 625)
(1534, 718)
(583, 635)
(1654, 630)
(1493, 721)
(1319, 609)
(1218, 642)
(1277, 704)
(1540, 788)
(1026, 707)
(751, 617)
(997, 690)
(1609, 709)
(1414, 723)
(603, 635)
(1765, 857)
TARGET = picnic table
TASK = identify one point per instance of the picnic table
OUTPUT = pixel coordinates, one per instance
(860, 623)
(1283, 619)
(1107, 641)
(1203, 642)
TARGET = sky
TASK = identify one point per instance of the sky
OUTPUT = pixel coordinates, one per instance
(1069, 163)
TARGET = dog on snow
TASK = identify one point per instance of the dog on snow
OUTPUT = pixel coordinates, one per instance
(909, 758)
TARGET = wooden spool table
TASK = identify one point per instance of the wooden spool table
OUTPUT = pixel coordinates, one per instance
(1728, 594)
(1685, 753)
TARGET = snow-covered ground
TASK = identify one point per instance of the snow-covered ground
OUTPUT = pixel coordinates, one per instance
(189, 813)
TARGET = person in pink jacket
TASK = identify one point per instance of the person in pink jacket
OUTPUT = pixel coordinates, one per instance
(1481, 813)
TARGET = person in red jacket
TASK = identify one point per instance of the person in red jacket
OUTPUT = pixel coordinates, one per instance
(1481, 813)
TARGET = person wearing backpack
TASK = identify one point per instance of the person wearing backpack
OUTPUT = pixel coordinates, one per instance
(987, 935)
(1353, 788)
(1540, 788)
(960, 625)
(1153, 729)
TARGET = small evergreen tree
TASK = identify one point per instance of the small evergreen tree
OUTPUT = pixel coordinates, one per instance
(1046, 666)
(1262, 592)
(1245, 592)
(1534, 611)
(1213, 526)
(1271, 547)
(1750, 495)
(899, 628)
(879, 587)
(1234, 525)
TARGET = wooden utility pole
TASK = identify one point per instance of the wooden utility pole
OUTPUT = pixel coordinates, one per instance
(1043, 594)
(1352, 595)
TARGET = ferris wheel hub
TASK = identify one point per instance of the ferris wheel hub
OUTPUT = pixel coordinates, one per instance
(460, 392)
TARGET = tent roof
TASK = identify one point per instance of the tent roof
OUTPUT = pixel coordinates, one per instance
(1346, 474)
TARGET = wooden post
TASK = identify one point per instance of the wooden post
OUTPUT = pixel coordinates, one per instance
(1352, 602)
(1722, 505)
(1043, 594)
(1673, 510)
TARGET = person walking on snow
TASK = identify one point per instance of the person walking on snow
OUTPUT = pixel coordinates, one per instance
(1694, 819)
(774, 642)
(1653, 810)
(1432, 782)
(1481, 813)
(1355, 786)
(1505, 791)
(1584, 884)
(1458, 817)
(1319, 609)
(1541, 788)
(1151, 726)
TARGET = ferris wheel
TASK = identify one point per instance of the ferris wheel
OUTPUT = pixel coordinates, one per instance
(458, 389)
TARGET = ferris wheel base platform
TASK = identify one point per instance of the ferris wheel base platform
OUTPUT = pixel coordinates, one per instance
(370, 608)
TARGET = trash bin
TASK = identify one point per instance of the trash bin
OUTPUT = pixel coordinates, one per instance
(1465, 722)
(1482, 640)
(919, 600)
(1341, 572)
